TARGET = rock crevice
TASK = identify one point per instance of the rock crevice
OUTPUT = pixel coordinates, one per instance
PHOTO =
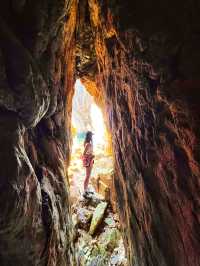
(141, 62)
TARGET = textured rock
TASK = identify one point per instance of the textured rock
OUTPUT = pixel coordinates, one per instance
(109, 239)
(83, 217)
(148, 74)
(35, 214)
(20, 201)
(146, 68)
(118, 257)
(97, 216)
(25, 90)
(104, 185)
(103, 248)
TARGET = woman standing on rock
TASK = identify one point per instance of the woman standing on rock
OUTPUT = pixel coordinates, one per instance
(88, 158)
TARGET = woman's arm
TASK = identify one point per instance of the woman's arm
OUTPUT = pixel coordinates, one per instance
(86, 148)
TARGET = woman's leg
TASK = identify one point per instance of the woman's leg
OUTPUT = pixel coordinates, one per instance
(87, 178)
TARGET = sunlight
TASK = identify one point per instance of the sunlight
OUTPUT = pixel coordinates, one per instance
(81, 105)
(86, 115)
(98, 125)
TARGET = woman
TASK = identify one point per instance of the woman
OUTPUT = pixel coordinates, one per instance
(88, 158)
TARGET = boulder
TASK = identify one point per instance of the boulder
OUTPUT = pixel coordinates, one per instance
(97, 216)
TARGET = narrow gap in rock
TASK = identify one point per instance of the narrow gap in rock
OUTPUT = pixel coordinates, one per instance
(97, 235)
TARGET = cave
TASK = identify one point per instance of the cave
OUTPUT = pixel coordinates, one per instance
(140, 61)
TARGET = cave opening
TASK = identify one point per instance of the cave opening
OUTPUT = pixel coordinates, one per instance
(88, 116)
(97, 232)
(144, 59)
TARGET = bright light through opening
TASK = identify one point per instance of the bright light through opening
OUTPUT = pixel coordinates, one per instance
(98, 125)
(86, 115)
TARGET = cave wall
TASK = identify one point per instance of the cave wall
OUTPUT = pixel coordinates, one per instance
(148, 64)
(36, 88)
(145, 61)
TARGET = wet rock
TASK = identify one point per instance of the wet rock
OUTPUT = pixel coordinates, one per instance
(97, 216)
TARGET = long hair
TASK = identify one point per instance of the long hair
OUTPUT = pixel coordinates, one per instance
(88, 137)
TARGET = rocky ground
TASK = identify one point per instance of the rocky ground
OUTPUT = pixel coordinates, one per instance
(97, 235)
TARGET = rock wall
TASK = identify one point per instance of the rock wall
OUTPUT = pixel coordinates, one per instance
(148, 72)
(145, 60)
(36, 52)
